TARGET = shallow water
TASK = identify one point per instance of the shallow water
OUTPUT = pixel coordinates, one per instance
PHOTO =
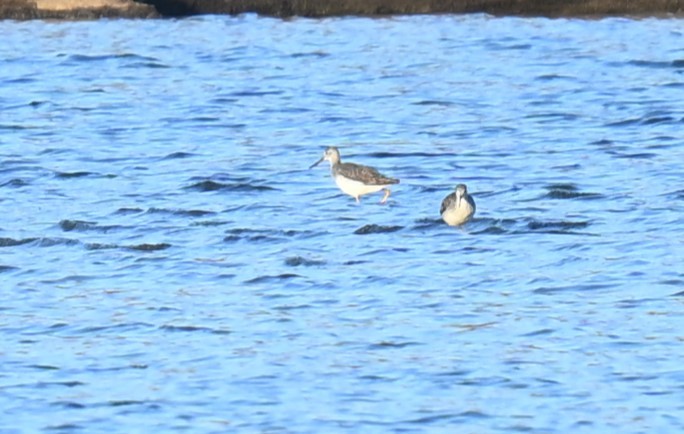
(169, 263)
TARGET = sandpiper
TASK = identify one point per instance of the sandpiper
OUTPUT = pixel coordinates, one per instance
(458, 207)
(355, 179)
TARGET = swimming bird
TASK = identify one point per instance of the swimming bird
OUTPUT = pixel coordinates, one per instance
(355, 179)
(458, 207)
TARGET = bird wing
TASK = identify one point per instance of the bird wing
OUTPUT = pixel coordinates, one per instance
(471, 201)
(364, 174)
(448, 201)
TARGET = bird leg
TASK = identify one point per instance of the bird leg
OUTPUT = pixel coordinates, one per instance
(387, 194)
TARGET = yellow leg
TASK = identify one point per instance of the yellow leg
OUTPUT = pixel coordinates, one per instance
(387, 194)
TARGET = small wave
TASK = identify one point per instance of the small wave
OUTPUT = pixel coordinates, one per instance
(425, 223)
(203, 119)
(191, 328)
(178, 155)
(38, 103)
(603, 142)
(6, 268)
(317, 54)
(677, 63)
(334, 119)
(287, 308)
(181, 212)
(40, 242)
(389, 345)
(540, 332)
(490, 226)
(376, 229)
(113, 328)
(673, 282)
(674, 84)
(149, 247)
(637, 156)
(659, 120)
(44, 367)
(15, 183)
(634, 302)
(677, 195)
(66, 427)
(79, 225)
(46, 384)
(568, 191)
(466, 415)
(127, 211)
(589, 287)
(561, 194)
(14, 127)
(256, 93)
(68, 175)
(55, 151)
(551, 117)
(209, 185)
(100, 246)
(50, 242)
(492, 230)
(151, 65)
(20, 80)
(505, 45)
(127, 402)
(277, 278)
(557, 225)
(382, 154)
(254, 235)
(223, 100)
(646, 120)
(434, 102)
(70, 225)
(210, 223)
(551, 77)
(296, 261)
(567, 167)
(104, 57)
(286, 110)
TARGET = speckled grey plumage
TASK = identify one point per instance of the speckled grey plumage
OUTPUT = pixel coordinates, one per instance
(365, 174)
(455, 213)
(355, 179)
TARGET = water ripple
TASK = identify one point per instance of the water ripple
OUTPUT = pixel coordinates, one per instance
(209, 185)
(376, 229)
(166, 253)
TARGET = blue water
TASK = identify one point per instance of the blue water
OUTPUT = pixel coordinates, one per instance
(169, 263)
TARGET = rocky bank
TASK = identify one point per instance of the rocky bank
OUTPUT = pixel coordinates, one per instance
(91, 9)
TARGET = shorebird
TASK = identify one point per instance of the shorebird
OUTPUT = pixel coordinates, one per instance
(355, 179)
(458, 207)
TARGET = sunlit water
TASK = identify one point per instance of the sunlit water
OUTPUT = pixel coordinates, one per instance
(169, 263)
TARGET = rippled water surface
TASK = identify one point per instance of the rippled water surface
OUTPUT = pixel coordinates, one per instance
(169, 262)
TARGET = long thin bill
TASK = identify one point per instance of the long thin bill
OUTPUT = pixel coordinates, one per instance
(316, 163)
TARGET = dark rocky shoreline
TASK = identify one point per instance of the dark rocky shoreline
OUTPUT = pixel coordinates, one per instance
(93, 9)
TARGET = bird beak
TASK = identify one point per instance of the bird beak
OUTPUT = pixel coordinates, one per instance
(317, 163)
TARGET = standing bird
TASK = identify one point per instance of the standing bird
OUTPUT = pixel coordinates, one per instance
(458, 207)
(355, 179)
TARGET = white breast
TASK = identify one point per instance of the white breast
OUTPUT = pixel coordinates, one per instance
(356, 188)
(457, 216)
